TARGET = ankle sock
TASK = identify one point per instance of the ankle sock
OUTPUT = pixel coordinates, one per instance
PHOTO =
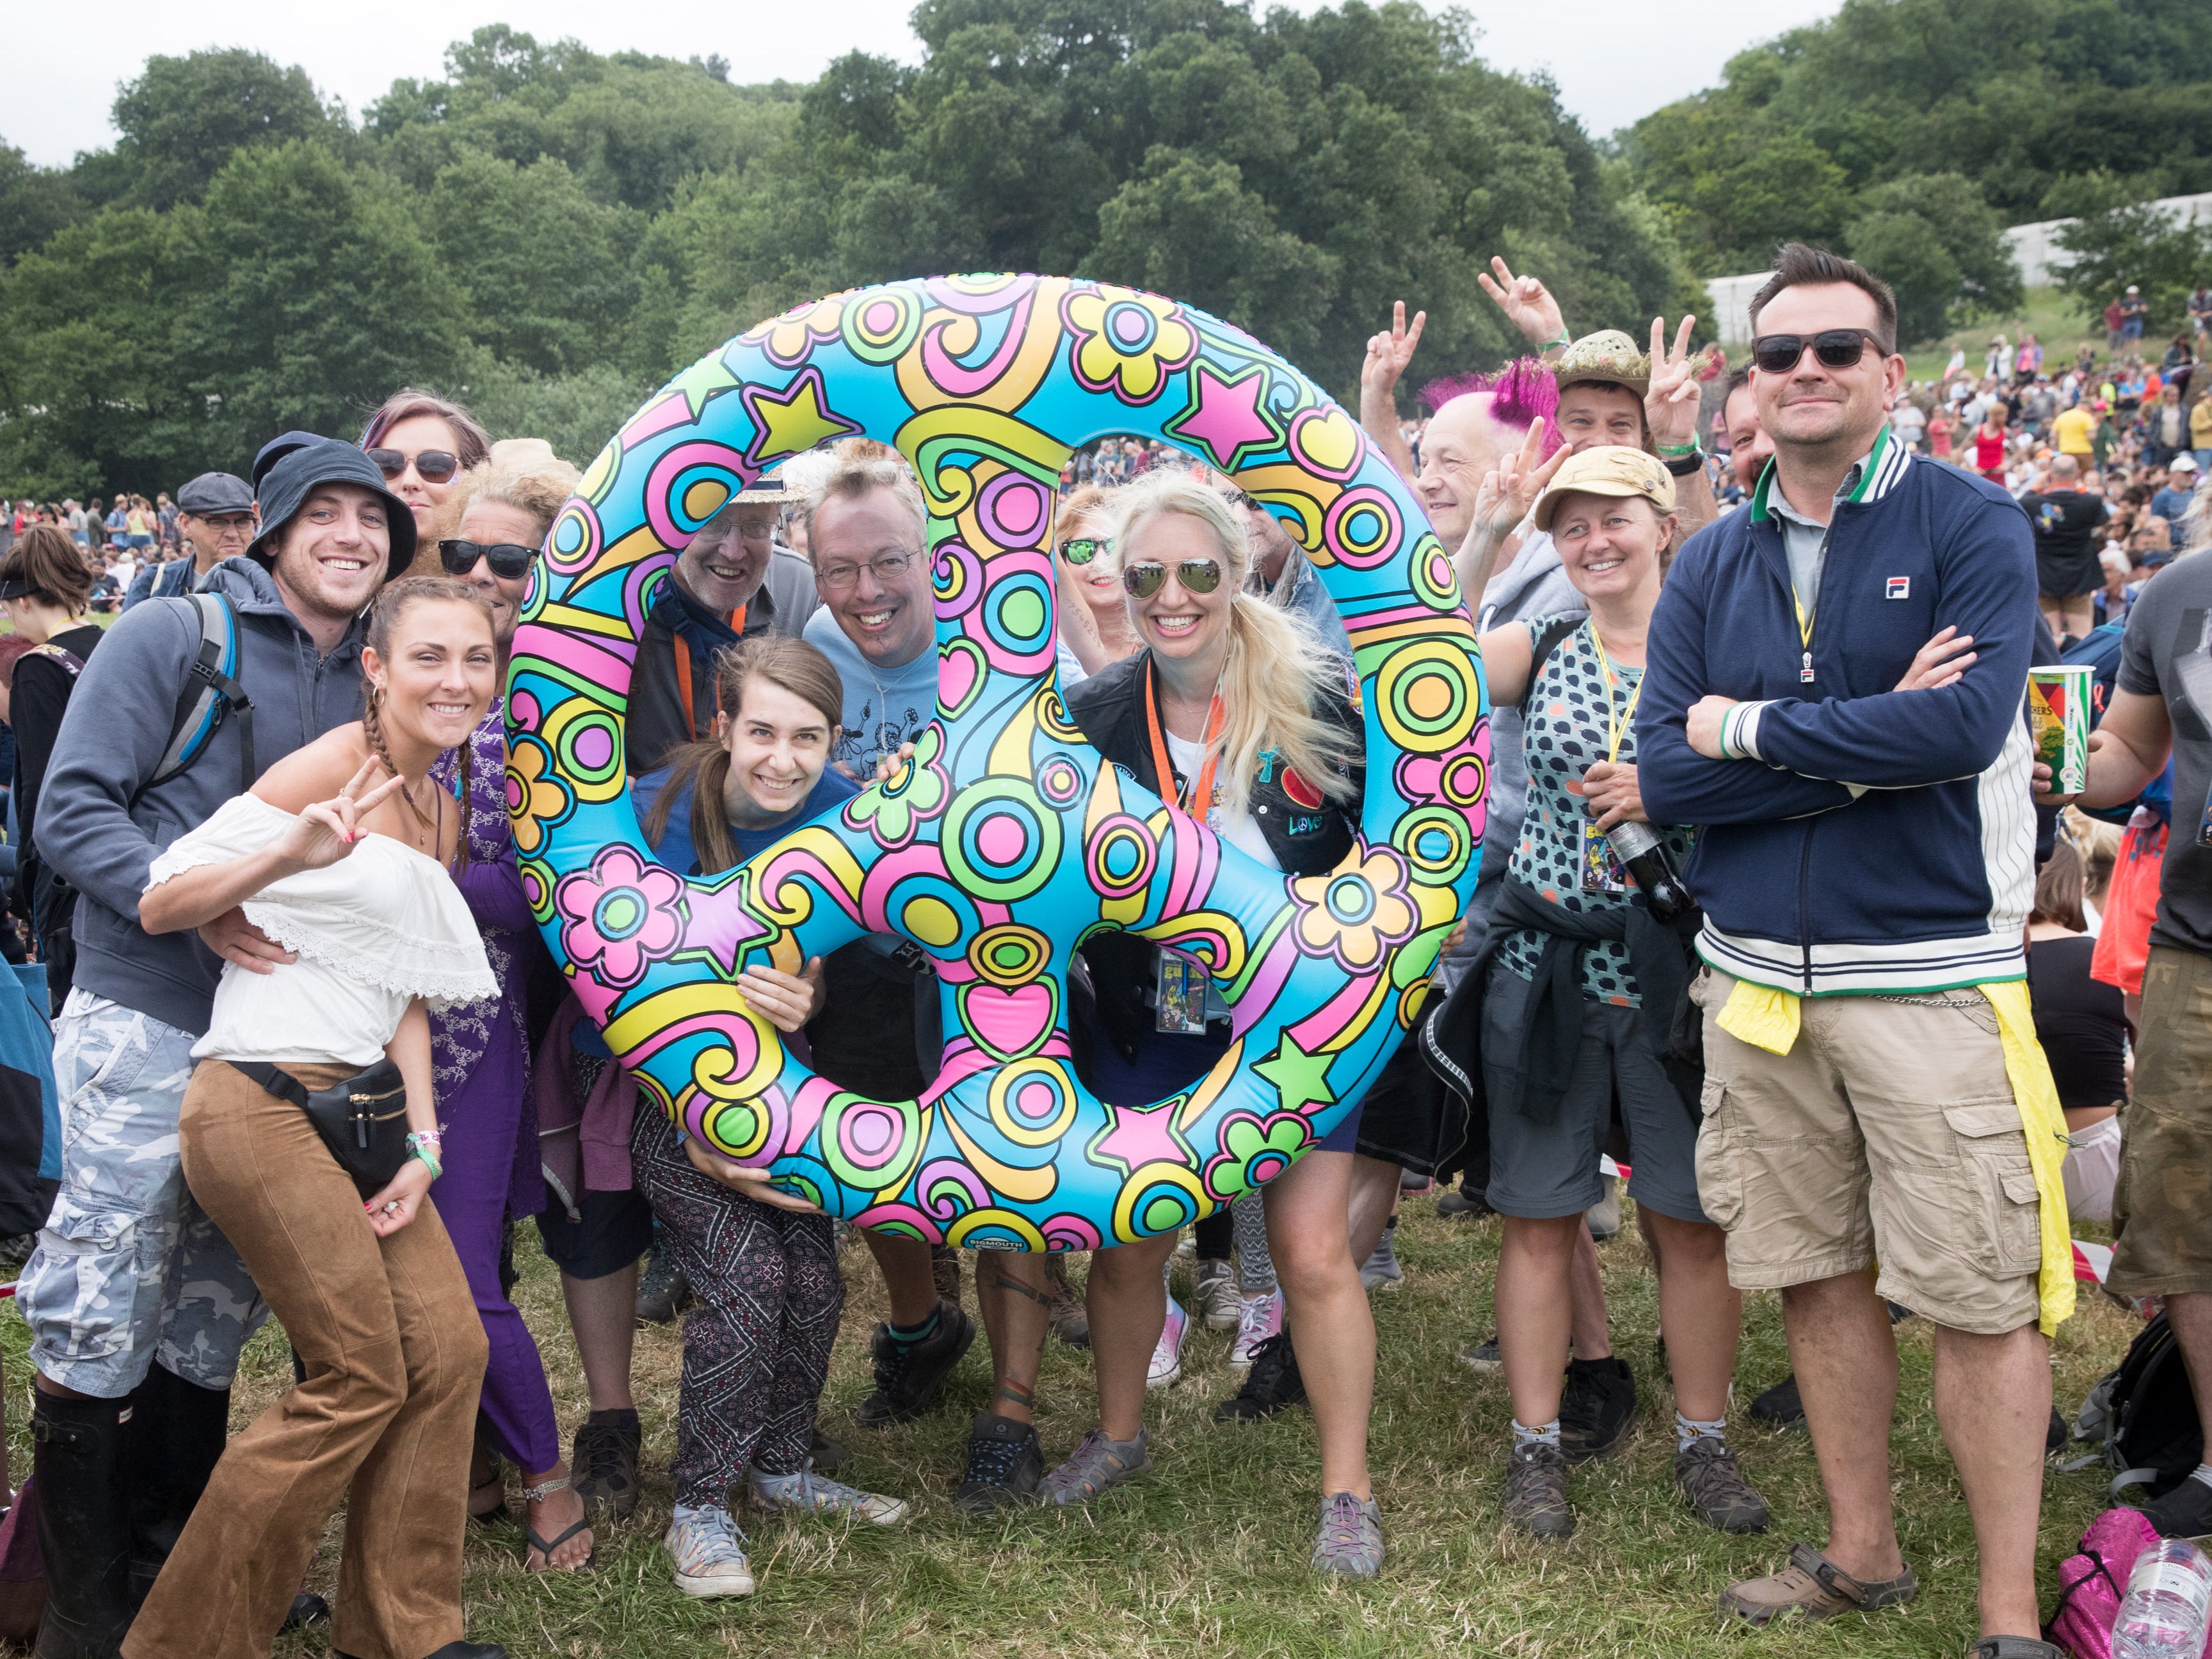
(622, 1417)
(1688, 1432)
(2201, 1472)
(1524, 1437)
(908, 1336)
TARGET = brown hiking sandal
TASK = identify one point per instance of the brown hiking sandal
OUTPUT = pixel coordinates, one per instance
(1814, 1586)
(1536, 1491)
(1716, 1488)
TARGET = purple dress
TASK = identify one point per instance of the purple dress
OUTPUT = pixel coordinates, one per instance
(480, 1064)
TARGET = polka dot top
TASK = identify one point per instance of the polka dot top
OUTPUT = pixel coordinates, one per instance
(1567, 731)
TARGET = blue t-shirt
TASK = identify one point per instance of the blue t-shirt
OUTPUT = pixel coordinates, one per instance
(675, 849)
(883, 707)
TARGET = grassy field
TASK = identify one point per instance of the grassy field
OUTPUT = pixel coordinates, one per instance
(2056, 322)
(1207, 1555)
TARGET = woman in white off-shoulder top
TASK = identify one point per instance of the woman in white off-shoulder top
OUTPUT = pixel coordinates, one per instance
(341, 853)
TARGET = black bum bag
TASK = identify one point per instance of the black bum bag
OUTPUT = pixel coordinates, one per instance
(362, 1119)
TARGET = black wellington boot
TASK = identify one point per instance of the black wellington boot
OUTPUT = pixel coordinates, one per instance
(177, 1432)
(84, 1524)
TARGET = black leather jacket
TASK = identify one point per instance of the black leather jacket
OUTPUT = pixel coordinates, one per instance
(1306, 839)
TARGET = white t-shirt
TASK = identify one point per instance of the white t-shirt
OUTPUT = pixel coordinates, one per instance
(1240, 829)
(381, 927)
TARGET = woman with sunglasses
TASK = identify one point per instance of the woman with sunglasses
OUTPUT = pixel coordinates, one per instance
(421, 443)
(480, 1051)
(1231, 709)
(1094, 620)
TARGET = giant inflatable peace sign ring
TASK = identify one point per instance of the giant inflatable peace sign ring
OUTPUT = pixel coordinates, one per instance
(1006, 840)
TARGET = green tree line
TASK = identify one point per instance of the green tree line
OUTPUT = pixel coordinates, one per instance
(1909, 132)
(550, 232)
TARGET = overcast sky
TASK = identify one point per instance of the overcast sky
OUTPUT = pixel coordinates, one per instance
(65, 60)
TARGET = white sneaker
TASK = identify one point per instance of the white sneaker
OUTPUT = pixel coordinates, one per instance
(1258, 1318)
(1167, 1353)
(1215, 1303)
(709, 1548)
(818, 1494)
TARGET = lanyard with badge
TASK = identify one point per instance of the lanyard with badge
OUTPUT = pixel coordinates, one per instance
(1182, 979)
(1602, 871)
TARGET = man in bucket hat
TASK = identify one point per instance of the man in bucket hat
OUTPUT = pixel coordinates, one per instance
(137, 1305)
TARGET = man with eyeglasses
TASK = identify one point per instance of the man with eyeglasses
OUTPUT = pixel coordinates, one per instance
(216, 516)
(733, 579)
(1281, 573)
(1832, 691)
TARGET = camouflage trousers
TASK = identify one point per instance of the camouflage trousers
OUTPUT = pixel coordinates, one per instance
(128, 1266)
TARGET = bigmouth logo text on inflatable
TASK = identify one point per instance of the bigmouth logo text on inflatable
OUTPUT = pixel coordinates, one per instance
(1006, 840)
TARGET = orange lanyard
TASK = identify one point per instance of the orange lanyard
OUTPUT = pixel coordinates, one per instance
(1217, 722)
(684, 674)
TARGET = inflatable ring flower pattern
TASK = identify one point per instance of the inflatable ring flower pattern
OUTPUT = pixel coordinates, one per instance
(1007, 841)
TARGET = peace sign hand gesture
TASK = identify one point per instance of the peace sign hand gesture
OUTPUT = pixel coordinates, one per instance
(1389, 351)
(1670, 405)
(327, 830)
(1526, 303)
(1508, 493)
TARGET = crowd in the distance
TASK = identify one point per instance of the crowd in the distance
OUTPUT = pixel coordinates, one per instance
(1777, 913)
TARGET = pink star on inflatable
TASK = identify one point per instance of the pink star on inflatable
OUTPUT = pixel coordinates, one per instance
(1226, 418)
(1143, 1135)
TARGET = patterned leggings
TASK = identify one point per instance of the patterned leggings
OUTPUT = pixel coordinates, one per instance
(756, 1348)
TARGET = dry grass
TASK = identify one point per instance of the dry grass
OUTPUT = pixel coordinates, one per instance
(1207, 1555)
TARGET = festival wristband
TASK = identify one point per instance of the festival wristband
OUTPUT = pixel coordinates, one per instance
(1564, 340)
(1689, 448)
(425, 1148)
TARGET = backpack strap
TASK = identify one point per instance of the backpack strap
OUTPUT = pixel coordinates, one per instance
(210, 695)
(1542, 647)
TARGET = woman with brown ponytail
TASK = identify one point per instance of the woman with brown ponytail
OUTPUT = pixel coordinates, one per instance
(342, 852)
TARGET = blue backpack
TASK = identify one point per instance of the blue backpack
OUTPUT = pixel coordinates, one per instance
(211, 695)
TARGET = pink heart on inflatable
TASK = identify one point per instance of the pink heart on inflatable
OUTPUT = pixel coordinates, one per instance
(1010, 1024)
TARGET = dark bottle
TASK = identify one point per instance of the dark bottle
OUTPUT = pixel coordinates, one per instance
(1644, 856)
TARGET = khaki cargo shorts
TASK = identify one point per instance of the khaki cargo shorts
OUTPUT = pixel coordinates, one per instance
(1888, 1132)
(2162, 1206)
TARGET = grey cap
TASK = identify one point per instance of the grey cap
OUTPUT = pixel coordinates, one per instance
(215, 492)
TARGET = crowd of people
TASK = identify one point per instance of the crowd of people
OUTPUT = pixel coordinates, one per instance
(1789, 940)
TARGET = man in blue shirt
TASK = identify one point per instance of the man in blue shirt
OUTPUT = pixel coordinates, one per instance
(2173, 497)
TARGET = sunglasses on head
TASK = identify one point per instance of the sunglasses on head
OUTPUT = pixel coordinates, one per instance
(1196, 575)
(507, 559)
(431, 466)
(1835, 348)
(1239, 498)
(1081, 550)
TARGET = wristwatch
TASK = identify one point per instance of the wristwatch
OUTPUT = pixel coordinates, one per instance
(1683, 466)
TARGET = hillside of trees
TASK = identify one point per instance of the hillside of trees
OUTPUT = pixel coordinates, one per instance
(550, 232)
(1910, 131)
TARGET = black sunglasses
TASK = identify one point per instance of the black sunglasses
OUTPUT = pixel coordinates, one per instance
(1239, 498)
(432, 465)
(507, 559)
(1196, 575)
(1081, 550)
(1835, 348)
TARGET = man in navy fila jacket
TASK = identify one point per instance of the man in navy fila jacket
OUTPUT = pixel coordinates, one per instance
(1861, 774)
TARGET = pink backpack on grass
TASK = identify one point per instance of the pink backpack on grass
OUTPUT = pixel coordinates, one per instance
(2091, 1585)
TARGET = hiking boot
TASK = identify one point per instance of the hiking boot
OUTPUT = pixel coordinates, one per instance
(945, 1268)
(1597, 1407)
(2184, 1512)
(1005, 1463)
(909, 1373)
(1604, 1216)
(1258, 1318)
(1214, 1302)
(1381, 1271)
(1460, 1202)
(1351, 1541)
(1814, 1586)
(1536, 1491)
(1716, 1488)
(809, 1494)
(1167, 1353)
(1779, 1408)
(663, 1292)
(1096, 1464)
(1272, 1384)
(709, 1548)
(603, 1460)
(1071, 1320)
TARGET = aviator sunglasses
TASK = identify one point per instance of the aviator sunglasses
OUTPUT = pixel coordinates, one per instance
(432, 465)
(507, 559)
(1835, 348)
(1196, 575)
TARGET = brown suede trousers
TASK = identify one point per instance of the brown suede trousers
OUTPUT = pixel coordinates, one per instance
(394, 1355)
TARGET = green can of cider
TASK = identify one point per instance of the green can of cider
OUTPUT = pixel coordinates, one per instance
(2058, 708)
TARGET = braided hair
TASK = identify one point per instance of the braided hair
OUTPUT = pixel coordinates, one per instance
(393, 602)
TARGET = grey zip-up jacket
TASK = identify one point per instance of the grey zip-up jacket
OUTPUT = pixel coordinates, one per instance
(111, 739)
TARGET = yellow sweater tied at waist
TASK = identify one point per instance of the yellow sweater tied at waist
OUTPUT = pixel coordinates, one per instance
(1760, 1015)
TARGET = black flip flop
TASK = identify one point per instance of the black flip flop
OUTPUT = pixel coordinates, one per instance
(531, 1495)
